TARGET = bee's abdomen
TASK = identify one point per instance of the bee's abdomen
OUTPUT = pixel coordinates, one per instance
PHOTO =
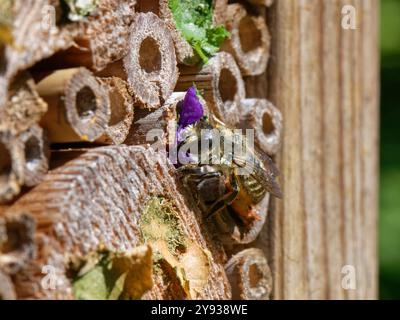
(254, 189)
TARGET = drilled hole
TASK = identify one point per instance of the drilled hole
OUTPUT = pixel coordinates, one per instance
(255, 275)
(267, 124)
(5, 163)
(118, 112)
(227, 85)
(150, 55)
(33, 152)
(250, 36)
(86, 102)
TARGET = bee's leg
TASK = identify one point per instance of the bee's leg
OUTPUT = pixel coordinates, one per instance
(226, 200)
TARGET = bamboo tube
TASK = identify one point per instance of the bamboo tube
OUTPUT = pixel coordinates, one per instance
(221, 84)
(36, 159)
(107, 31)
(184, 51)
(249, 42)
(7, 291)
(249, 275)
(75, 208)
(83, 107)
(78, 106)
(150, 66)
(23, 161)
(16, 241)
(266, 120)
(36, 36)
(11, 166)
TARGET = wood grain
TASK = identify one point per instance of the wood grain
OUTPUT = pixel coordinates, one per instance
(325, 81)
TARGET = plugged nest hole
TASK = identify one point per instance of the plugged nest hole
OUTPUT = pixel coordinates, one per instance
(249, 35)
(33, 151)
(267, 124)
(5, 163)
(227, 85)
(86, 103)
(150, 55)
(118, 112)
(255, 275)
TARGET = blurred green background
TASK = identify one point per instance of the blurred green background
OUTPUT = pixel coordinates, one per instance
(389, 244)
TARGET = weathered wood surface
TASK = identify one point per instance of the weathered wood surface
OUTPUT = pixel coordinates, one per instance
(324, 79)
(98, 201)
(321, 77)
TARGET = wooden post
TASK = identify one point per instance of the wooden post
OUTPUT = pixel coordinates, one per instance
(324, 79)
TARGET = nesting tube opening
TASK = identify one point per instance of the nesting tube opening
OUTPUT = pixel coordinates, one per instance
(255, 275)
(250, 275)
(18, 244)
(85, 102)
(227, 86)
(267, 124)
(87, 105)
(150, 64)
(232, 229)
(36, 155)
(33, 151)
(249, 34)
(150, 55)
(266, 120)
(250, 40)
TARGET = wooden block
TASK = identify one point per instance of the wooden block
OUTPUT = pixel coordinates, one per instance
(75, 208)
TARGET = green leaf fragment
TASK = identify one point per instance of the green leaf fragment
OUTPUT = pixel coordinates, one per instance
(194, 18)
(115, 276)
(79, 9)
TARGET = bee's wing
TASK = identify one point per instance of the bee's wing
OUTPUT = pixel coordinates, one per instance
(267, 161)
(266, 175)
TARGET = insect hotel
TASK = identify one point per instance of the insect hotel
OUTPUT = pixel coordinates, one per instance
(180, 149)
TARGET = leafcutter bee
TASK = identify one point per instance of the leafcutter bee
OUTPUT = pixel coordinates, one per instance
(227, 172)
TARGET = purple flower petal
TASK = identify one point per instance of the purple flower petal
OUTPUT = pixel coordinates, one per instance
(192, 109)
